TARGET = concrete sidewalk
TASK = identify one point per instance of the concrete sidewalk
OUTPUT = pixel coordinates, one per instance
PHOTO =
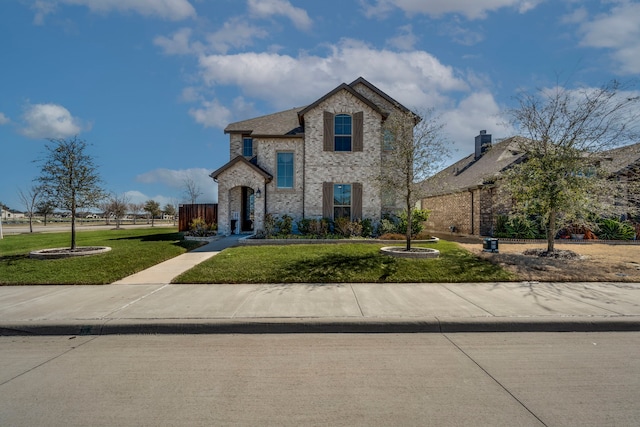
(308, 308)
(168, 270)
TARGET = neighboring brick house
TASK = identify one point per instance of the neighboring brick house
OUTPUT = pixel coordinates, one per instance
(318, 161)
(463, 197)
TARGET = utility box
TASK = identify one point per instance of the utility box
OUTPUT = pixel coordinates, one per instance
(490, 245)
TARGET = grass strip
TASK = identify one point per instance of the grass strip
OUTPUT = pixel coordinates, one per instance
(341, 263)
(133, 250)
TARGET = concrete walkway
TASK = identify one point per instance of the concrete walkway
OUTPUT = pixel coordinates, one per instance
(146, 302)
(291, 308)
(166, 271)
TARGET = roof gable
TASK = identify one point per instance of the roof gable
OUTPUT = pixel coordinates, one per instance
(242, 162)
(383, 95)
(342, 87)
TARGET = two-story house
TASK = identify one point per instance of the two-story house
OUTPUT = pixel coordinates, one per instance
(323, 160)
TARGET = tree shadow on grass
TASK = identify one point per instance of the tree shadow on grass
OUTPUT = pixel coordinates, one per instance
(11, 259)
(340, 268)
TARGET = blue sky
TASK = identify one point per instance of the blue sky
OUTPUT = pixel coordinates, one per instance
(151, 84)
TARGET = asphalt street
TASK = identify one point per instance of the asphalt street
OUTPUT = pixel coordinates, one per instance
(476, 379)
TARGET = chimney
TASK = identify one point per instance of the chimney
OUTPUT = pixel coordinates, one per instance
(483, 143)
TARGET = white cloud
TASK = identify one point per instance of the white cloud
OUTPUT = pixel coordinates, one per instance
(414, 78)
(406, 40)
(175, 179)
(460, 34)
(478, 111)
(135, 196)
(211, 114)
(178, 43)
(618, 30)
(49, 121)
(236, 33)
(173, 10)
(4, 119)
(472, 9)
(268, 8)
(42, 9)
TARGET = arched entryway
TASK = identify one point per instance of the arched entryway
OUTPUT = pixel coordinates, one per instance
(248, 210)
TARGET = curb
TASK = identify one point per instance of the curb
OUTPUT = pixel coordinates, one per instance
(320, 325)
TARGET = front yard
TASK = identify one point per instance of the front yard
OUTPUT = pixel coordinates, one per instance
(341, 263)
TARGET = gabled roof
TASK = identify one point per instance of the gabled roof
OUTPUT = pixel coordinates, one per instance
(622, 159)
(240, 159)
(349, 89)
(390, 100)
(470, 173)
(284, 123)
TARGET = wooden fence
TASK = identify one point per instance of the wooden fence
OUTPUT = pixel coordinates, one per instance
(187, 213)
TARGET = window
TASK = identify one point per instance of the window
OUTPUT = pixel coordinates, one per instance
(388, 140)
(342, 201)
(247, 147)
(342, 132)
(285, 170)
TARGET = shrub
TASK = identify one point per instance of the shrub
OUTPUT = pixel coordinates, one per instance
(284, 225)
(611, 229)
(367, 227)
(199, 228)
(387, 225)
(346, 228)
(518, 228)
(418, 217)
(269, 225)
(304, 226)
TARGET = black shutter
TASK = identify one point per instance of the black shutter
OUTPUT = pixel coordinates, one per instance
(328, 132)
(327, 199)
(358, 131)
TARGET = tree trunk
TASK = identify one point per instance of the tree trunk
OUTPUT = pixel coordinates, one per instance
(73, 229)
(551, 231)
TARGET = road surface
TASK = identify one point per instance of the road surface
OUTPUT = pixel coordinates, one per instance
(526, 379)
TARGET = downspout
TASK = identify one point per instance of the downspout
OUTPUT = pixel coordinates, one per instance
(304, 179)
(472, 212)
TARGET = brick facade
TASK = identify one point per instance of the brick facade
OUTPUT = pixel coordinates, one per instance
(314, 165)
(471, 212)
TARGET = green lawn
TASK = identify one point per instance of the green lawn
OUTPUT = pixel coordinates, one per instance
(132, 251)
(346, 262)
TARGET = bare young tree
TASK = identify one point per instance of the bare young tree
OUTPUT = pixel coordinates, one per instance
(566, 132)
(45, 208)
(118, 205)
(191, 189)
(414, 148)
(70, 178)
(136, 209)
(29, 200)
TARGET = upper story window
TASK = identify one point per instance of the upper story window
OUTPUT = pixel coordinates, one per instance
(387, 143)
(247, 147)
(285, 170)
(342, 132)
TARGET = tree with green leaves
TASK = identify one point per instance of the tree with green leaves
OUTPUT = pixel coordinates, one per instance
(414, 148)
(560, 179)
(170, 209)
(153, 208)
(69, 178)
(45, 208)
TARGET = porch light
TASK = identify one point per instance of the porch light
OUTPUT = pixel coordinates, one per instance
(258, 193)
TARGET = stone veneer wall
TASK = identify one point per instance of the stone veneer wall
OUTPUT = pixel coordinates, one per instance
(342, 167)
(230, 196)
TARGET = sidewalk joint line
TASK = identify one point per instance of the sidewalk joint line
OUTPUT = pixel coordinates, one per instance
(467, 300)
(356, 297)
(135, 301)
(495, 380)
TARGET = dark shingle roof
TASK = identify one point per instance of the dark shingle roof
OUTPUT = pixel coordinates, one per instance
(470, 173)
(284, 123)
(622, 158)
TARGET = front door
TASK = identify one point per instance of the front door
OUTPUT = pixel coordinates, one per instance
(248, 209)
